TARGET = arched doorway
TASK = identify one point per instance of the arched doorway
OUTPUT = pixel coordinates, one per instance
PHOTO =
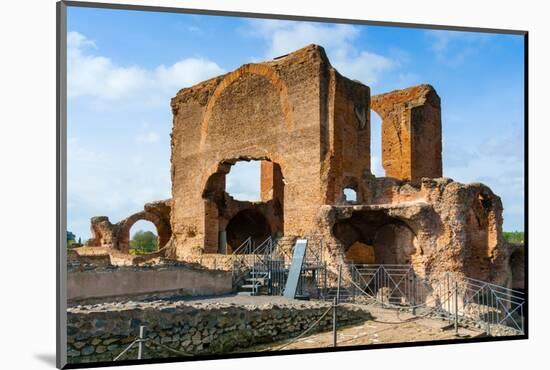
(254, 208)
(247, 223)
(374, 237)
(143, 238)
(162, 226)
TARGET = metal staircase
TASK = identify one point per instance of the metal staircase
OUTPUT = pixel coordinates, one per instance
(256, 282)
(258, 269)
(264, 268)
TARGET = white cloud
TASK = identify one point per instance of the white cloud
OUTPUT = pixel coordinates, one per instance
(76, 40)
(453, 47)
(96, 76)
(338, 40)
(114, 184)
(186, 72)
(498, 163)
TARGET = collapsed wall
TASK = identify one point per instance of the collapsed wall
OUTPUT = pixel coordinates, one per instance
(438, 226)
(117, 236)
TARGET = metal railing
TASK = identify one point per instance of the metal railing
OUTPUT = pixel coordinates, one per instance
(494, 305)
(250, 260)
(451, 296)
(496, 309)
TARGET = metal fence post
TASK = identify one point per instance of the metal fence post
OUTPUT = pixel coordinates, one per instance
(489, 314)
(334, 336)
(339, 280)
(140, 342)
(353, 279)
(325, 280)
(448, 297)
(456, 308)
(413, 293)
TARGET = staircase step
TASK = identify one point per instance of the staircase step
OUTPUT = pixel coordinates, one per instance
(258, 280)
(250, 286)
(244, 293)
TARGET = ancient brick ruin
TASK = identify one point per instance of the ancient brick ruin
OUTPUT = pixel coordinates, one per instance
(311, 129)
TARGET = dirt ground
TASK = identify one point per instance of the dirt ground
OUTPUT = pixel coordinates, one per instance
(388, 326)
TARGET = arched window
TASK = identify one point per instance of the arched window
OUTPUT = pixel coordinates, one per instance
(350, 195)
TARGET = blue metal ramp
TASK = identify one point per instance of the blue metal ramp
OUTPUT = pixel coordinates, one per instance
(295, 268)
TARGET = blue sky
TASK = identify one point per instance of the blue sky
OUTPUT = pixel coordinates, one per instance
(124, 66)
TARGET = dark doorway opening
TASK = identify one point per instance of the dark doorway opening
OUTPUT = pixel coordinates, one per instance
(247, 223)
(372, 236)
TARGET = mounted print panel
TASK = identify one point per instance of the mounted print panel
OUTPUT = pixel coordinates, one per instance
(245, 185)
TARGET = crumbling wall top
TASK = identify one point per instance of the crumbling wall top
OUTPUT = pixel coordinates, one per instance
(411, 132)
(410, 97)
(202, 91)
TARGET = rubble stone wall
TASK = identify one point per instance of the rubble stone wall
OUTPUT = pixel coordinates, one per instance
(101, 333)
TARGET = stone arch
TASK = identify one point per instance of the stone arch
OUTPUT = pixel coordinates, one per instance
(390, 240)
(163, 229)
(259, 69)
(220, 208)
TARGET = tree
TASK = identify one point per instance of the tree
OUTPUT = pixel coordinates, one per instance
(143, 242)
(71, 238)
(516, 237)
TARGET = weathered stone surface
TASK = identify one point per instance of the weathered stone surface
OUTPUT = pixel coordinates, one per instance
(252, 323)
(267, 111)
(310, 128)
(517, 265)
(116, 236)
(139, 282)
(411, 132)
(443, 226)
